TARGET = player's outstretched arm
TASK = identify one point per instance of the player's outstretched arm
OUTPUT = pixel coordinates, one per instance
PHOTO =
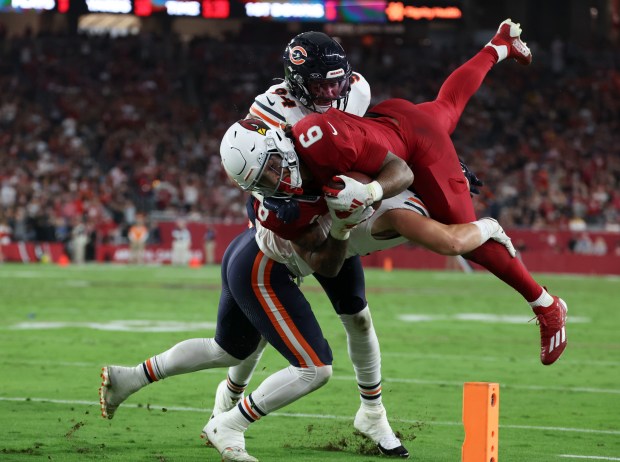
(443, 239)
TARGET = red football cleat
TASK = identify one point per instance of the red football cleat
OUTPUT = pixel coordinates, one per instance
(507, 43)
(552, 322)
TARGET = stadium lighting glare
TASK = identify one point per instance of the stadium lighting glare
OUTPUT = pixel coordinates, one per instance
(285, 10)
(109, 6)
(176, 8)
(397, 11)
(33, 4)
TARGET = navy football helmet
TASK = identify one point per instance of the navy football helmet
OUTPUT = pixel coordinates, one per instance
(316, 71)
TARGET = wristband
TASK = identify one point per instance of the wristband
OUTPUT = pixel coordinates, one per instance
(376, 191)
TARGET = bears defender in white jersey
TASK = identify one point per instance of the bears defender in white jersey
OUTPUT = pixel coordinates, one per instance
(277, 106)
(317, 77)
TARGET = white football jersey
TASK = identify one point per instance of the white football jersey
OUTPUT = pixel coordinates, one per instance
(278, 106)
(361, 241)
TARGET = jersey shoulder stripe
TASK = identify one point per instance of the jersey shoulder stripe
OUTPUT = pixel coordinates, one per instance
(416, 203)
(268, 110)
(261, 115)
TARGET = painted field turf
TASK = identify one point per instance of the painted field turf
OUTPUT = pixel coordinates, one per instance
(59, 325)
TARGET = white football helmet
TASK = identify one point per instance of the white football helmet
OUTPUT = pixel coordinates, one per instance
(248, 148)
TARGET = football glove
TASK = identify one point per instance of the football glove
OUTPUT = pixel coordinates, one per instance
(353, 195)
(344, 222)
(287, 210)
(474, 181)
(491, 229)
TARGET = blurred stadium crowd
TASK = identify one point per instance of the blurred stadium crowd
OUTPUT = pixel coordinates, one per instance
(94, 130)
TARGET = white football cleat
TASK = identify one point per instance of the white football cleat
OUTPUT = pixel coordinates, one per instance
(223, 401)
(508, 44)
(229, 442)
(117, 384)
(373, 424)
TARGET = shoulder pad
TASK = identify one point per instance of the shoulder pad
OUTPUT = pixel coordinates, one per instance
(359, 97)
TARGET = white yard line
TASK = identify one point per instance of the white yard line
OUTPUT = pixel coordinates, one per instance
(492, 359)
(207, 411)
(488, 318)
(350, 378)
(574, 456)
(611, 391)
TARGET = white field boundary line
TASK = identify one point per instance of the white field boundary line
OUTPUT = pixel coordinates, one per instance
(488, 318)
(207, 412)
(458, 358)
(502, 385)
(575, 456)
(387, 380)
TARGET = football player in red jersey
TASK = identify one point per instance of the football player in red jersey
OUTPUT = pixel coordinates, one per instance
(316, 79)
(333, 143)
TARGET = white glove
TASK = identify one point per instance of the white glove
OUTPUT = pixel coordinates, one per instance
(353, 195)
(344, 222)
(491, 229)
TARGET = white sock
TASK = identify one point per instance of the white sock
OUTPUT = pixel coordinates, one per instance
(236, 420)
(187, 356)
(132, 378)
(284, 387)
(501, 50)
(545, 300)
(241, 374)
(365, 354)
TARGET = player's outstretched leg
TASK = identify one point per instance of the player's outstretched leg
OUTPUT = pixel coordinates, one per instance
(552, 322)
(187, 356)
(372, 422)
(508, 44)
(117, 384)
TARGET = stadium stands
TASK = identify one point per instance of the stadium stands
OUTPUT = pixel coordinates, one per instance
(95, 129)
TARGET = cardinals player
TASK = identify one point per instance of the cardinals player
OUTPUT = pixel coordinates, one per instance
(331, 143)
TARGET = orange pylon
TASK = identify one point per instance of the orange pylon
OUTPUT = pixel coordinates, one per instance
(195, 263)
(481, 421)
(63, 260)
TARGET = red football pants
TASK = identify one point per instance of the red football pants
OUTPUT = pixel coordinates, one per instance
(438, 177)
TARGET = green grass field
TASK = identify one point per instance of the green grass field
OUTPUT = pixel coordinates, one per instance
(59, 325)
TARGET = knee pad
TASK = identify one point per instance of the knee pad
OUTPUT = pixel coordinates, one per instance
(314, 376)
(358, 322)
